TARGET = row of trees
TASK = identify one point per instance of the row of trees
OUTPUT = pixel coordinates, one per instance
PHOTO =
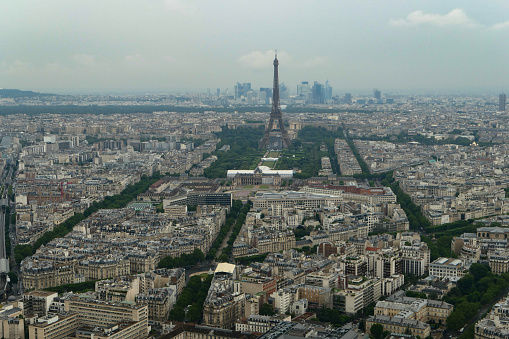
(230, 220)
(185, 260)
(405, 137)
(114, 109)
(251, 259)
(462, 225)
(76, 288)
(110, 202)
(415, 217)
(362, 163)
(7, 232)
(241, 217)
(480, 287)
(192, 297)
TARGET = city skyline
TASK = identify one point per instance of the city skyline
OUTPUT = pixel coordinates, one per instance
(172, 45)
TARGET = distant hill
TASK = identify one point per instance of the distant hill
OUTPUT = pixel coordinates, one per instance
(16, 93)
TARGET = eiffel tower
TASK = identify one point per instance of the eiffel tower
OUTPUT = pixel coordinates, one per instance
(276, 136)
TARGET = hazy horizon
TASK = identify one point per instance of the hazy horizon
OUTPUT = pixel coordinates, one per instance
(168, 46)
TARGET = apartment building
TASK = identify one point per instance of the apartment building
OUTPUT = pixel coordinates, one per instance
(192, 331)
(414, 308)
(104, 314)
(357, 293)
(447, 267)
(159, 301)
(54, 326)
(400, 325)
(37, 302)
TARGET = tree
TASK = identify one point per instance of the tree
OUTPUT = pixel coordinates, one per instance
(479, 271)
(455, 321)
(267, 309)
(178, 314)
(194, 313)
(13, 277)
(466, 284)
(362, 325)
(377, 331)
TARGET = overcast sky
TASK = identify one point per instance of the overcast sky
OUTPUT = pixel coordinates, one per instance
(74, 46)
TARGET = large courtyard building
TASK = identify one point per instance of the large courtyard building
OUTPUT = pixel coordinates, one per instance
(262, 175)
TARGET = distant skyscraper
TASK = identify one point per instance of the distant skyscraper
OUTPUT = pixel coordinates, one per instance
(328, 91)
(348, 98)
(268, 93)
(218, 92)
(242, 89)
(250, 97)
(303, 90)
(318, 93)
(501, 102)
(377, 94)
(263, 97)
(276, 136)
(283, 91)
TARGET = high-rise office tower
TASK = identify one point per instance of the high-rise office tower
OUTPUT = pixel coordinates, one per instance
(318, 93)
(283, 91)
(501, 102)
(328, 91)
(276, 136)
(348, 98)
(377, 94)
(267, 90)
(303, 90)
(242, 89)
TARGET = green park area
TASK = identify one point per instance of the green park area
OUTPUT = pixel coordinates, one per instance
(273, 154)
(269, 164)
(243, 153)
(304, 153)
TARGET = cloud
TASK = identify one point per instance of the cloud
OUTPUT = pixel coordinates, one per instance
(501, 25)
(316, 61)
(17, 66)
(257, 59)
(179, 6)
(456, 17)
(135, 58)
(168, 59)
(263, 60)
(84, 59)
